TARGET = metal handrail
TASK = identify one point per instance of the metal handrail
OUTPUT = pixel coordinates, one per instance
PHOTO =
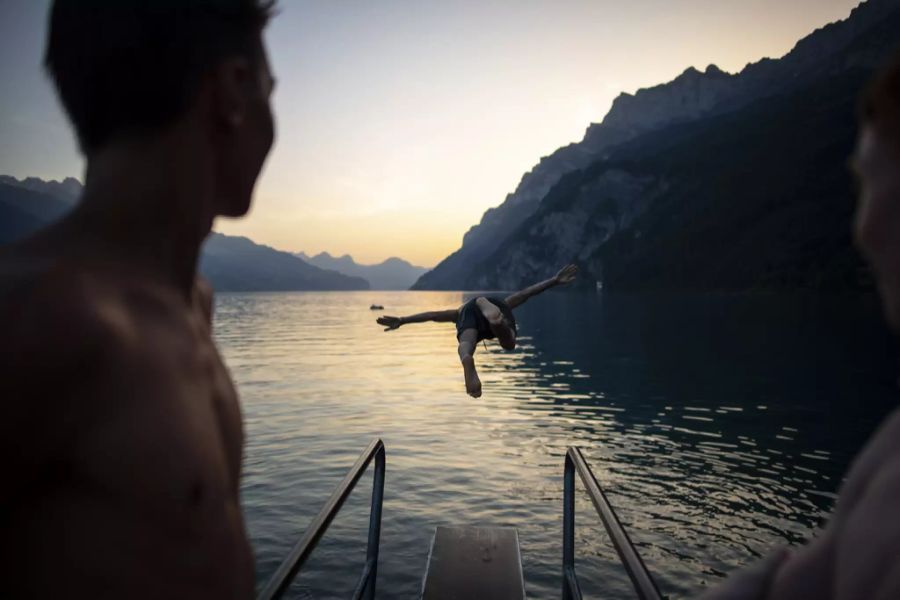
(284, 575)
(640, 577)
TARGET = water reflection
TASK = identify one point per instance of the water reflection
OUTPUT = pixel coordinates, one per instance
(719, 424)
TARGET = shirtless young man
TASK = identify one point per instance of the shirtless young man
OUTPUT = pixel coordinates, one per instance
(483, 318)
(857, 556)
(121, 434)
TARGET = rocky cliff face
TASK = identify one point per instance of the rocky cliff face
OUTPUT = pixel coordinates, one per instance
(591, 211)
(756, 199)
(691, 97)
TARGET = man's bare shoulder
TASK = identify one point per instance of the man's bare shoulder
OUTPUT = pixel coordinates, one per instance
(70, 333)
(60, 312)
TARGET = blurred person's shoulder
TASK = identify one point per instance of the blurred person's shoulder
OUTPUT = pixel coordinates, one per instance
(70, 325)
(868, 553)
(857, 556)
(877, 465)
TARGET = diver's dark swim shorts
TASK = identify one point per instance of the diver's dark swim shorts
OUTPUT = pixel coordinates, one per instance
(470, 317)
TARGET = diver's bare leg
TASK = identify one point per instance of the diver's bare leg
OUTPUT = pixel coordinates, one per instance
(502, 331)
(468, 339)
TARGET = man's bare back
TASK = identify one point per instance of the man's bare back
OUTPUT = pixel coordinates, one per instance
(123, 446)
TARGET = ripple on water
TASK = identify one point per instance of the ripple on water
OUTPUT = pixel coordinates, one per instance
(710, 449)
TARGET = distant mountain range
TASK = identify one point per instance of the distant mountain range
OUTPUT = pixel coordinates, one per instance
(229, 263)
(26, 206)
(238, 264)
(392, 274)
(711, 181)
(68, 190)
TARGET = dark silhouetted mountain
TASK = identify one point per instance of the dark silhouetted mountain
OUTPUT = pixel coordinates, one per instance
(840, 50)
(760, 198)
(701, 152)
(392, 274)
(230, 263)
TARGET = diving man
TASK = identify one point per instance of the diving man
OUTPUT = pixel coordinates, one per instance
(483, 318)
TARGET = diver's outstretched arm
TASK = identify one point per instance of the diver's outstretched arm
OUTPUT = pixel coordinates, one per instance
(438, 316)
(565, 276)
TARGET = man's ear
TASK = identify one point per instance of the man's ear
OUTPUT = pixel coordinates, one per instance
(232, 79)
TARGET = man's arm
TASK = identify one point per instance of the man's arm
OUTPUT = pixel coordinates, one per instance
(203, 298)
(566, 275)
(438, 316)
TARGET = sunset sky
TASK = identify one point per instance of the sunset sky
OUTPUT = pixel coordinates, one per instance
(401, 122)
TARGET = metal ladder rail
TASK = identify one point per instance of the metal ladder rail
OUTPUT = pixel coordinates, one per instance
(365, 589)
(641, 579)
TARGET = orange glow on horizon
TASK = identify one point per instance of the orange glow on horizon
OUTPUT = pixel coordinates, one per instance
(401, 123)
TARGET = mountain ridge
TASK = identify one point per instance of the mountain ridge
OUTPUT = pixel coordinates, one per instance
(229, 263)
(68, 190)
(393, 273)
(756, 198)
(690, 96)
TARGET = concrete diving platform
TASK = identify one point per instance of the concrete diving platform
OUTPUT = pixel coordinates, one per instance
(474, 563)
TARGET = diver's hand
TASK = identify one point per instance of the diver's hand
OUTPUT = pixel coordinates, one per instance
(566, 275)
(390, 323)
(751, 583)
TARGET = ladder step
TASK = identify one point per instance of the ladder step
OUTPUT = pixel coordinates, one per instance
(474, 563)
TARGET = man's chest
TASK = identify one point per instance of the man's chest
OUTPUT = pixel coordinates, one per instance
(181, 443)
(226, 413)
(208, 399)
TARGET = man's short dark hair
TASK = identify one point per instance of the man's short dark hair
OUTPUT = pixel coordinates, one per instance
(881, 102)
(126, 67)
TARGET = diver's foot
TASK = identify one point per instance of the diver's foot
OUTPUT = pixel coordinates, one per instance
(473, 383)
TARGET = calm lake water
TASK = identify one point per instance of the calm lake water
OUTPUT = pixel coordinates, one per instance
(719, 425)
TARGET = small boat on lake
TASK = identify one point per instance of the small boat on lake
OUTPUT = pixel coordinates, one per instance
(476, 563)
(376, 307)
